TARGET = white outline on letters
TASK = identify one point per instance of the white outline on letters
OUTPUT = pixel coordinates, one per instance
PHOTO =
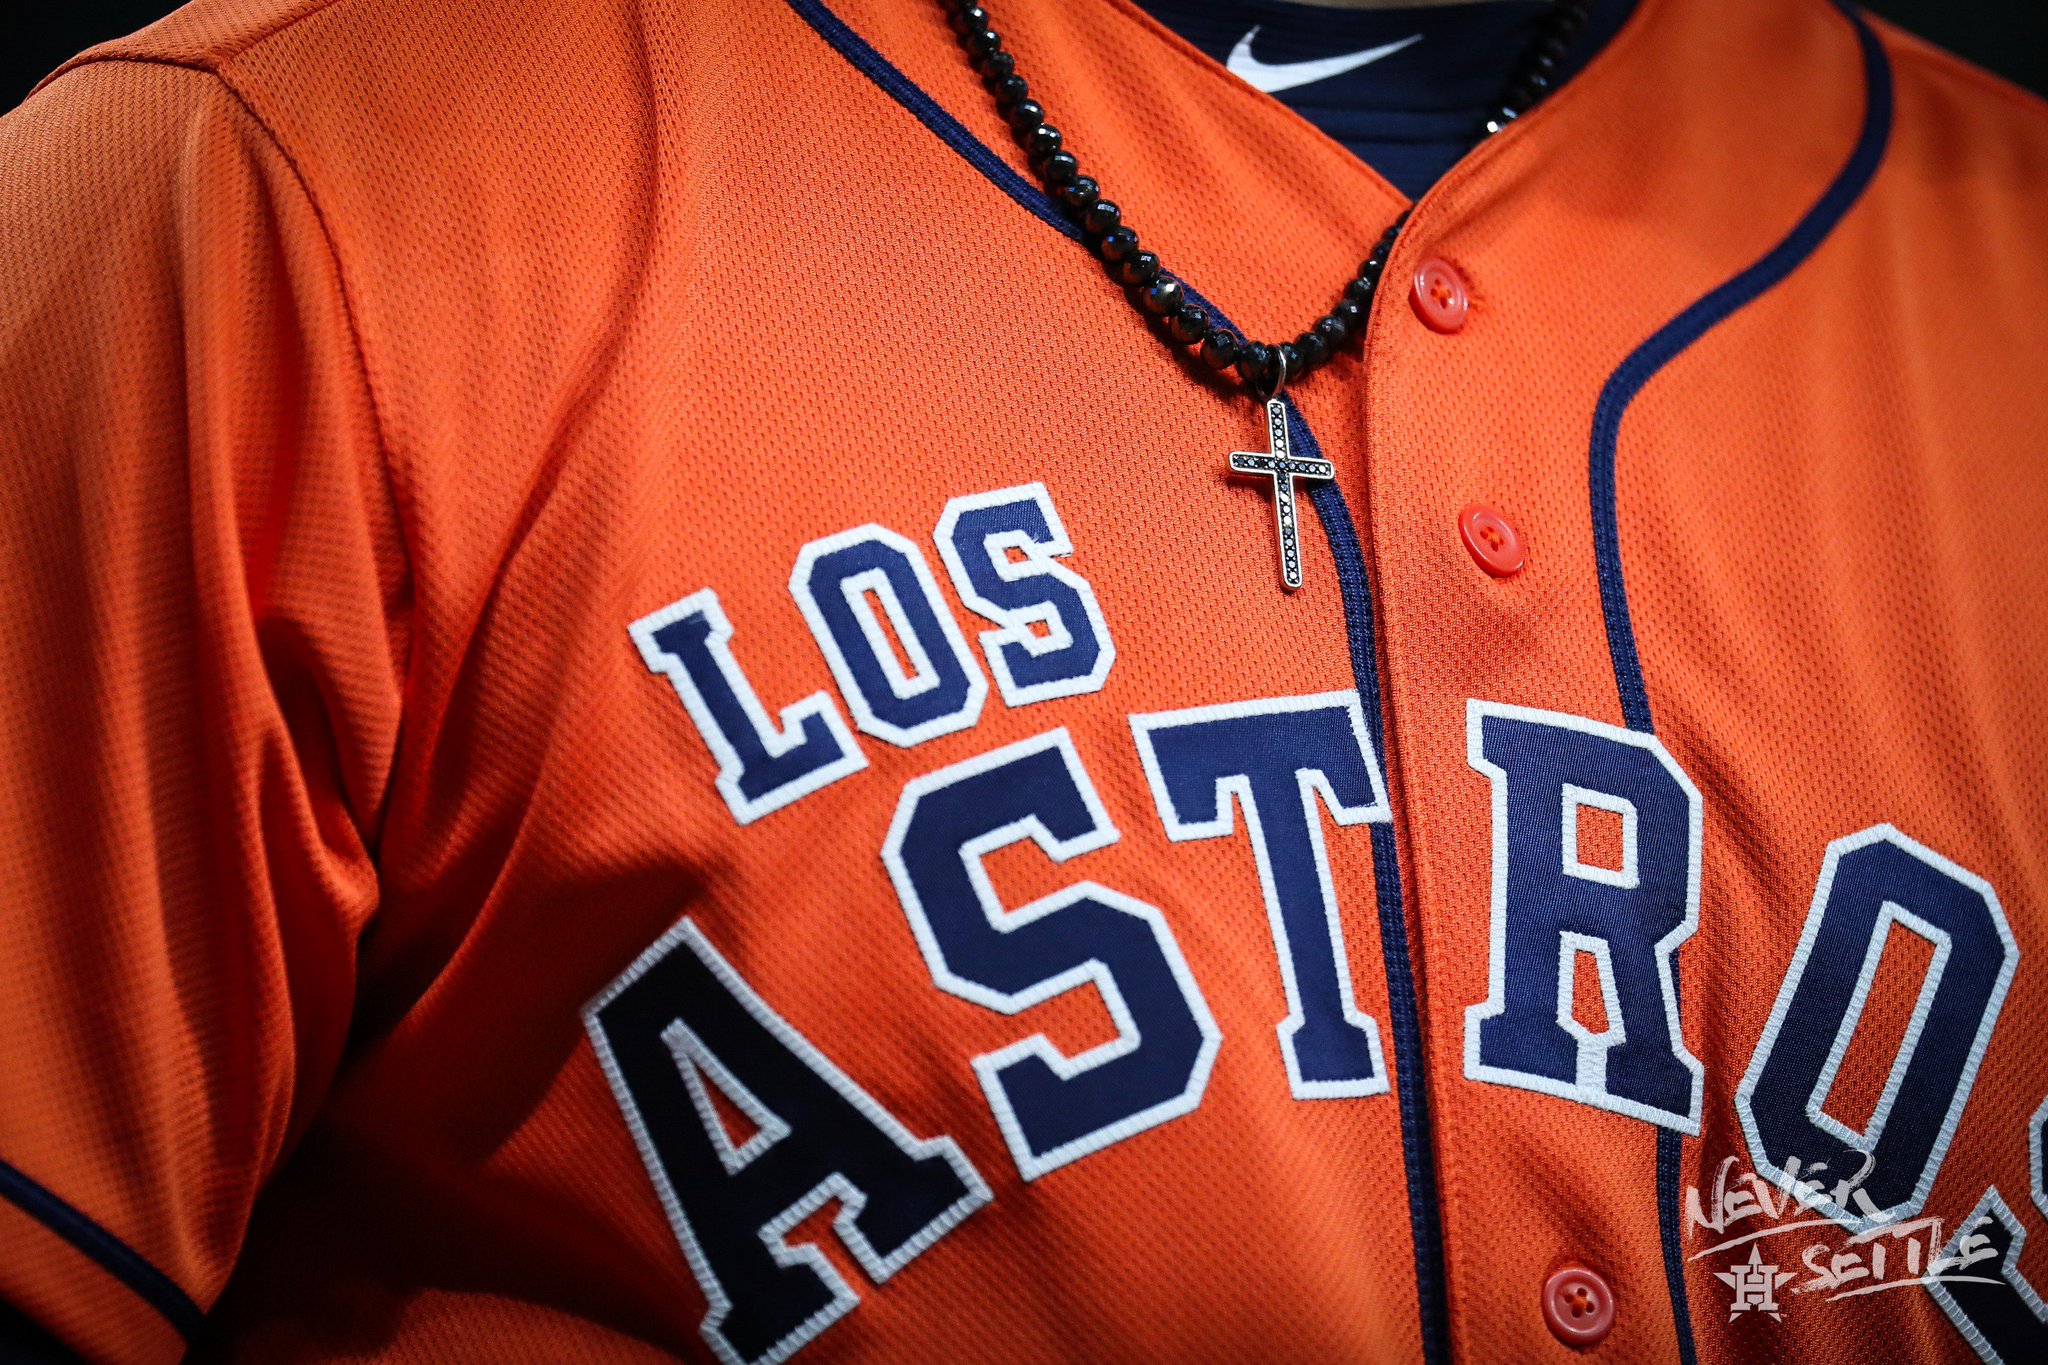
(1593, 1047)
(1888, 914)
(1992, 1205)
(2035, 1179)
(989, 1065)
(1235, 792)
(1591, 1062)
(698, 1064)
(1628, 877)
(1823, 888)
(879, 1268)
(1041, 560)
(862, 583)
(776, 741)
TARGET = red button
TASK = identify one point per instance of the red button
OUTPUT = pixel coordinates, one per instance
(1578, 1305)
(1493, 542)
(1439, 295)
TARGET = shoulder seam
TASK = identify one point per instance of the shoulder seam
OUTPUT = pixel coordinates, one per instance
(352, 317)
(213, 61)
(349, 312)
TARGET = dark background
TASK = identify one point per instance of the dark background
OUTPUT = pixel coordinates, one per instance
(2007, 36)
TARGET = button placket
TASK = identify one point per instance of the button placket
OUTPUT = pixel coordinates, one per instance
(1439, 295)
(1495, 545)
(1578, 1304)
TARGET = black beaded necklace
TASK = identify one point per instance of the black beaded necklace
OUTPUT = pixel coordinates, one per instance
(1264, 369)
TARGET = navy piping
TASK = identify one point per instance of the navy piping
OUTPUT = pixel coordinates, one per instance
(1620, 390)
(1689, 326)
(109, 1252)
(1406, 1025)
(1669, 1151)
(950, 130)
(1406, 1018)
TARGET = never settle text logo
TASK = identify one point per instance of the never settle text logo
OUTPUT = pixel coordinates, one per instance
(1744, 1210)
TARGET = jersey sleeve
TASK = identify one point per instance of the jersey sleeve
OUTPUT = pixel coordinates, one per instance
(201, 664)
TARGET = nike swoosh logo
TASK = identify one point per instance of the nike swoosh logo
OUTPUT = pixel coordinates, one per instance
(1273, 77)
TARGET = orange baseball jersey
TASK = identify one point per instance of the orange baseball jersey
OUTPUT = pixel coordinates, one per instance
(642, 720)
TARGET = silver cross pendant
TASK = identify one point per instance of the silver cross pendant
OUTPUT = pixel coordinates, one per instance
(1283, 467)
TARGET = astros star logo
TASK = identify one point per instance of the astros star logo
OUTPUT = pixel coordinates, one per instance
(1755, 1284)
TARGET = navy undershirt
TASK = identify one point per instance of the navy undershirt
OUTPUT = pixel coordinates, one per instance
(1411, 110)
